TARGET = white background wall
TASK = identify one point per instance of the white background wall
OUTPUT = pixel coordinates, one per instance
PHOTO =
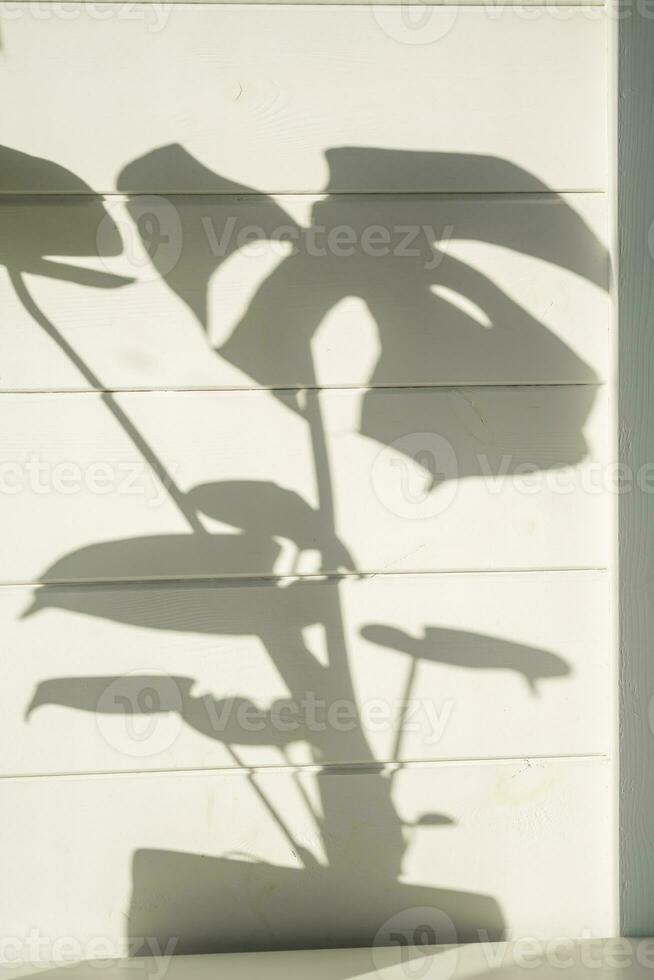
(369, 469)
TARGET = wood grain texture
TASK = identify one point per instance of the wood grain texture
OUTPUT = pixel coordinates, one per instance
(636, 451)
(420, 479)
(287, 291)
(201, 857)
(494, 101)
(142, 677)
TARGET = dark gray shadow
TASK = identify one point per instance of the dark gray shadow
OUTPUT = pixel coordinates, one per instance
(460, 648)
(260, 510)
(230, 903)
(271, 344)
(340, 964)
(223, 903)
(201, 256)
(270, 618)
(35, 227)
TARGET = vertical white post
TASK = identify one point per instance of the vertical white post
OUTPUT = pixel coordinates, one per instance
(635, 367)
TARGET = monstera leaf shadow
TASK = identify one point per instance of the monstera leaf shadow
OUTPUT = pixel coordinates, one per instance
(220, 903)
(170, 167)
(272, 342)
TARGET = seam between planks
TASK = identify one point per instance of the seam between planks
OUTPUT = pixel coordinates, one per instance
(6, 195)
(254, 579)
(326, 769)
(238, 389)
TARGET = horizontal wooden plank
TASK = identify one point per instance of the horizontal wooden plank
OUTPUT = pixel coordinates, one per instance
(470, 99)
(156, 485)
(282, 860)
(351, 290)
(391, 668)
(623, 959)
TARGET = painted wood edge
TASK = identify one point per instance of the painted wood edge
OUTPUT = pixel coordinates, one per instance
(613, 13)
(622, 957)
(227, 580)
(201, 581)
(9, 198)
(233, 389)
(376, 768)
(547, 958)
(293, 389)
(634, 612)
(493, 4)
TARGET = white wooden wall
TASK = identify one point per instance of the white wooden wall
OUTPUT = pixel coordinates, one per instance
(303, 369)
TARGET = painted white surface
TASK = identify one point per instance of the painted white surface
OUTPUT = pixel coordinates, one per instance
(200, 856)
(211, 78)
(422, 479)
(394, 290)
(615, 957)
(415, 455)
(186, 677)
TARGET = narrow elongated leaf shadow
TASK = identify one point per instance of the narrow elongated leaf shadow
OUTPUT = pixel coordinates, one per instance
(33, 230)
(460, 648)
(261, 511)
